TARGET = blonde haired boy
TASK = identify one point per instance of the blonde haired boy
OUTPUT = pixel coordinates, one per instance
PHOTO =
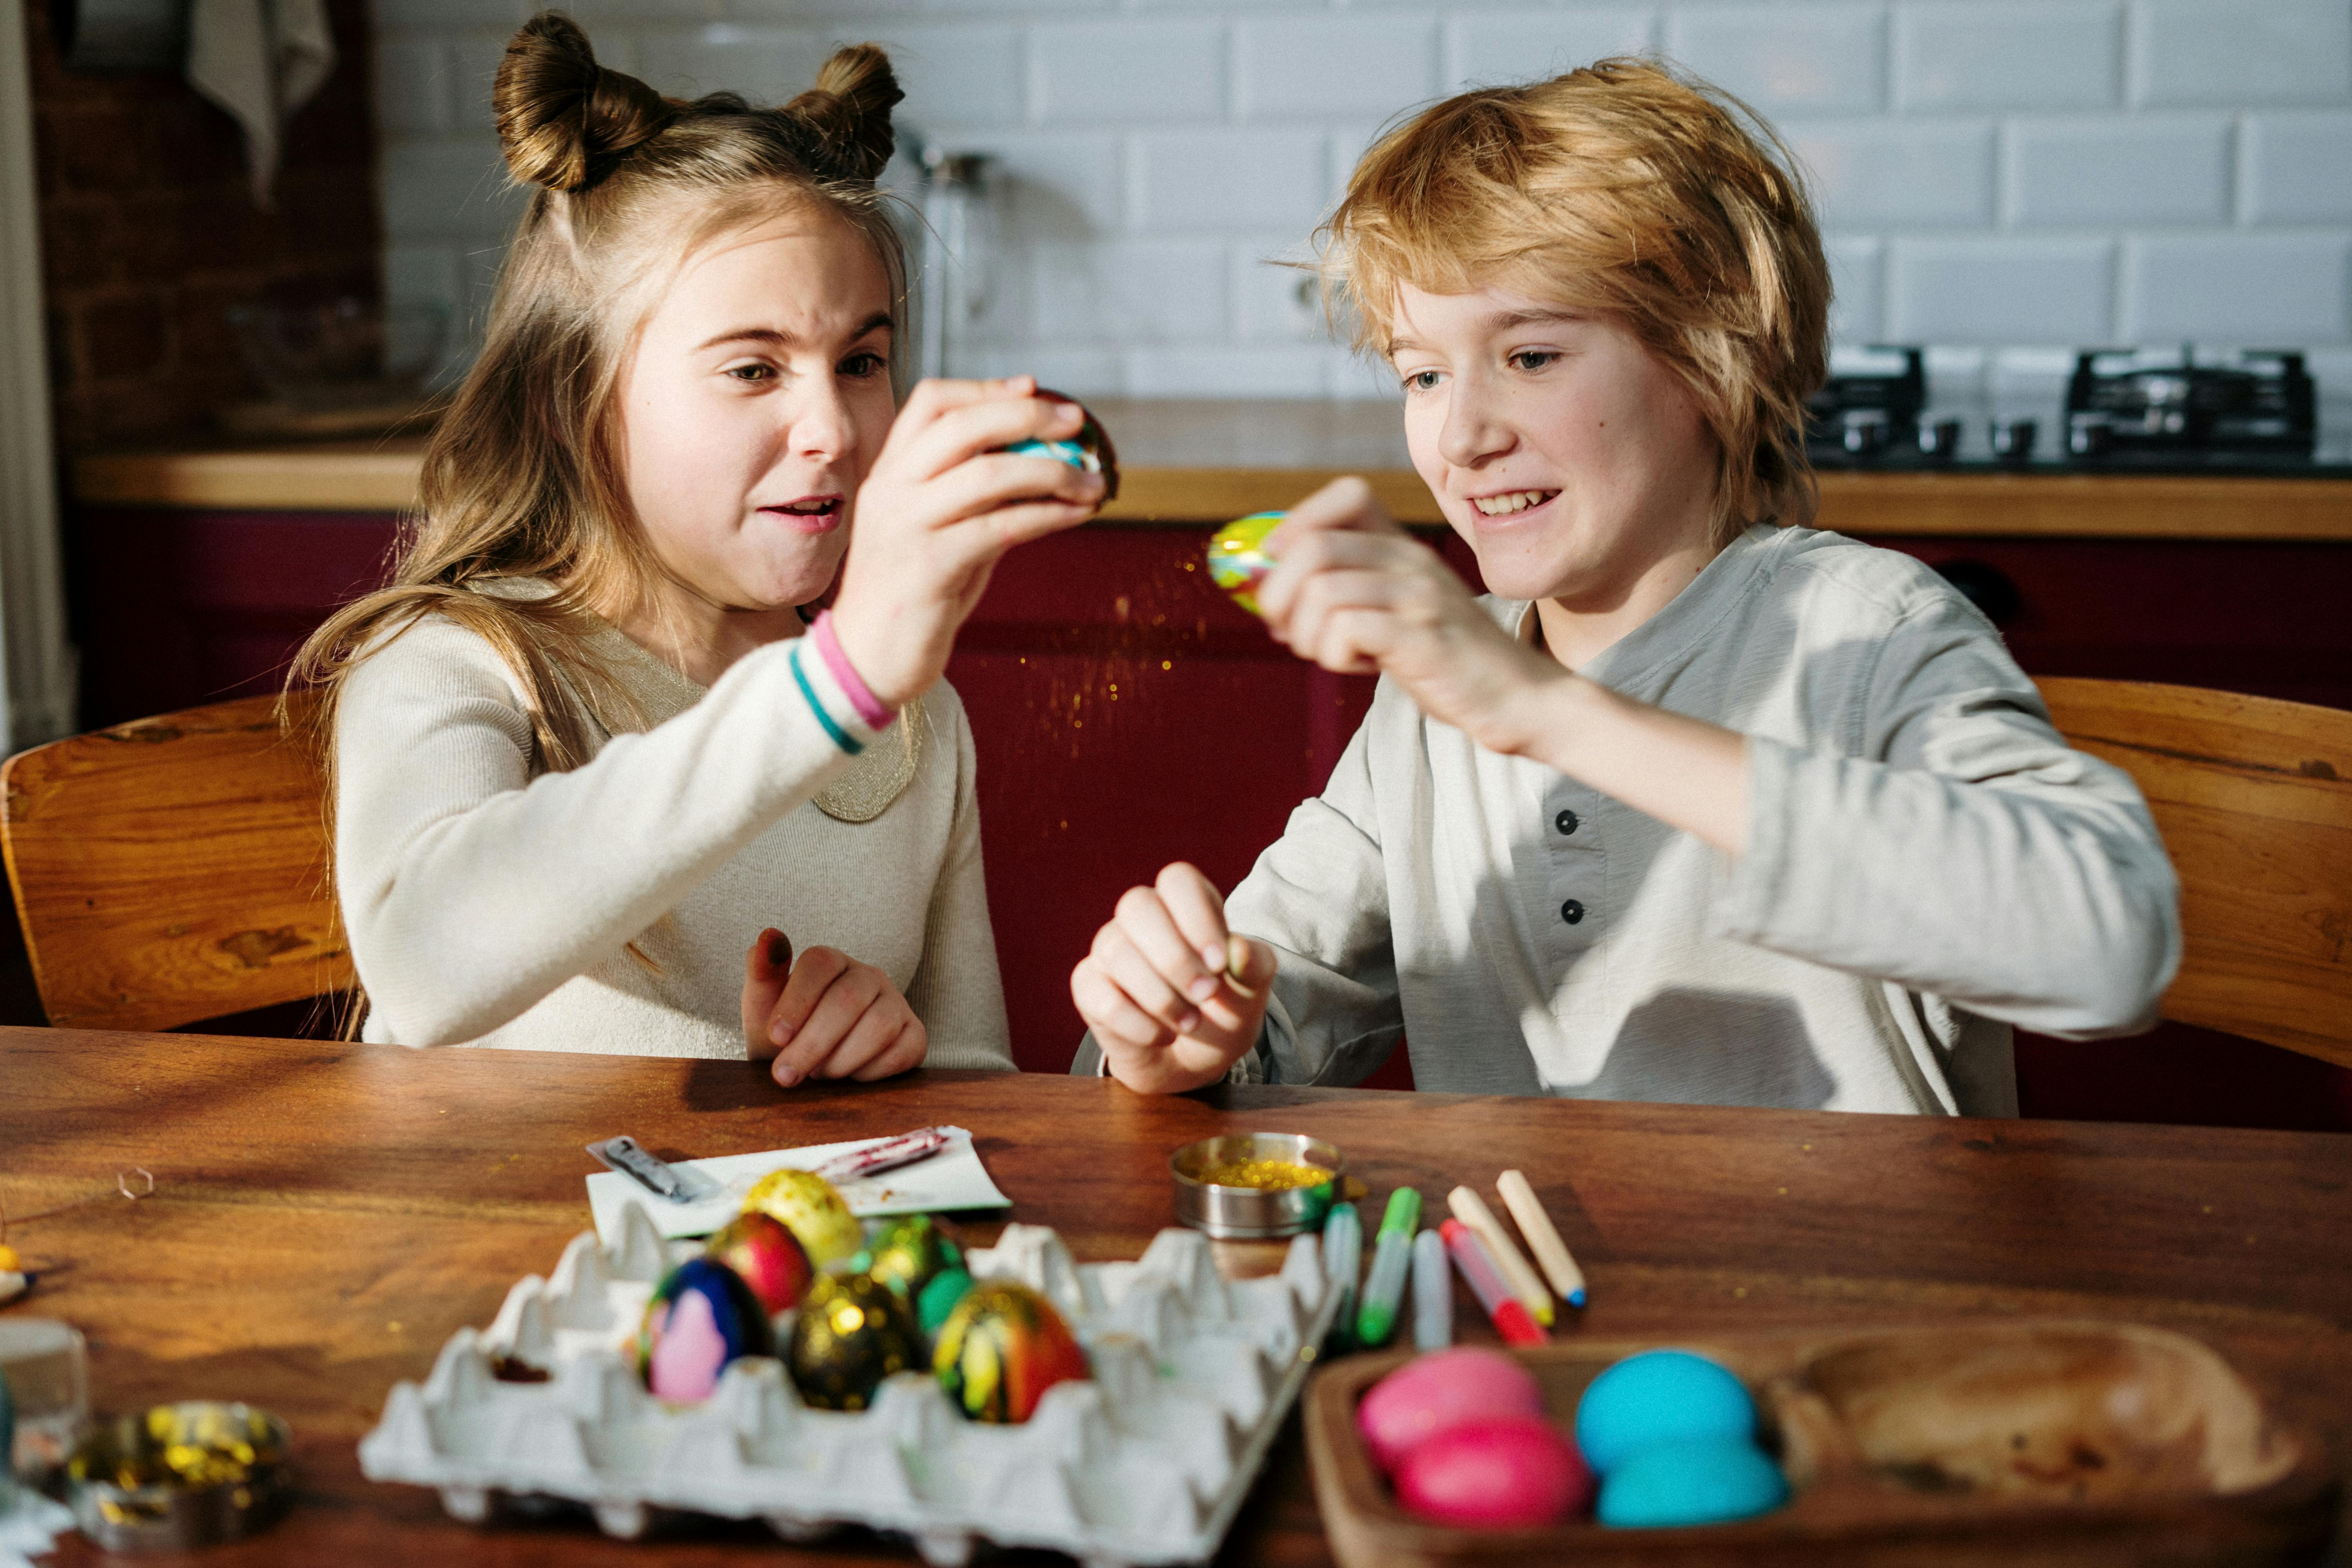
(1699, 803)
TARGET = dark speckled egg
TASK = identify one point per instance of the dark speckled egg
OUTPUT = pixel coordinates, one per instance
(701, 1317)
(851, 1333)
(1001, 1348)
(764, 1252)
(908, 1252)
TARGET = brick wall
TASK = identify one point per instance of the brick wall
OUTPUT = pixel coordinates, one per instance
(2008, 178)
(149, 233)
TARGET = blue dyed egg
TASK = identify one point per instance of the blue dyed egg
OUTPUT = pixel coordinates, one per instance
(1703, 1480)
(701, 1317)
(1659, 1396)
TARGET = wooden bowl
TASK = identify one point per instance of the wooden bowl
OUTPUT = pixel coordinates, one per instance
(2026, 1443)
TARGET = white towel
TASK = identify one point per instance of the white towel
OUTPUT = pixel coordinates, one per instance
(261, 61)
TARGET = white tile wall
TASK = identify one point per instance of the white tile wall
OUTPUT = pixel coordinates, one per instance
(2007, 177)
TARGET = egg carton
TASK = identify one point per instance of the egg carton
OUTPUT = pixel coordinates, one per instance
(1145, 1462)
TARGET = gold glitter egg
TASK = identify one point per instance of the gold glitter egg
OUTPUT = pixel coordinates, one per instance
(812, 1210)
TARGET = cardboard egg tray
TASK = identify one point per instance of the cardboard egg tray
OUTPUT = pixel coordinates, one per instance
(1147, 1462)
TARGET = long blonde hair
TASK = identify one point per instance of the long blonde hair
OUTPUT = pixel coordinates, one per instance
(523, 477)
(1636, 193)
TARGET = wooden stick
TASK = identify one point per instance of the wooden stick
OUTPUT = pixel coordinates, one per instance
(1472, 1210)
(1542, 1240)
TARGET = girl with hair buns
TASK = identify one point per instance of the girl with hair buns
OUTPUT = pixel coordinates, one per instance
(596, 736)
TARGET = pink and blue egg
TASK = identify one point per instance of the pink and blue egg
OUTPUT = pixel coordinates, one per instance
(702, 1316)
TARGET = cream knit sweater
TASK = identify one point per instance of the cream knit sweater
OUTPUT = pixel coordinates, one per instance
(490, 904)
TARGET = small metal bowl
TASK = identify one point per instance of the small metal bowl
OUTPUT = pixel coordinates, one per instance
(1254, 1214)
(142, 1482)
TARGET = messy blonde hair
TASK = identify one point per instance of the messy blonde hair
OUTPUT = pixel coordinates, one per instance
(522, 477)
(1631, 192)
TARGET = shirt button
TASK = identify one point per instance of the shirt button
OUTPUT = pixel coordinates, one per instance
(1571, 911)
(1565, 822)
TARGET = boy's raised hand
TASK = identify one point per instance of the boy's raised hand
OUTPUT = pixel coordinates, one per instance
(1354, 593)
(825, 1015)
(1173, 997)
(935, 512)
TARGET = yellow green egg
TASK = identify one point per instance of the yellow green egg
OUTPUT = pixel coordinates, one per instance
(852, 1331)
(1237, 557)
(812, 1210)
(1001, 1348)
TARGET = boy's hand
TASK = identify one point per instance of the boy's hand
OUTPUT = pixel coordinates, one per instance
(1354, 593)
(937, 510)
(1158, 988)
(826, 1015)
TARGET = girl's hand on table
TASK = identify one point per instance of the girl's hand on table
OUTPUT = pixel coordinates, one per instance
(939, 506)
(1354, 593)
(1159, 987)
(826, 1014)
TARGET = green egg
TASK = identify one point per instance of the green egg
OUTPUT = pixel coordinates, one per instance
(940, 1298)
(909, 1252)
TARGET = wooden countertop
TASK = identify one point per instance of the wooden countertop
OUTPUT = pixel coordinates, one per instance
(326, 1215)
(1204, 461)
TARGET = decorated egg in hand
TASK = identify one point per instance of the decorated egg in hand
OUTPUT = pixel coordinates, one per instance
(811, 1209)
(853, 1332)
(1495, 1472)
(1660, 1396)
(1699, 1480)
(1001, 1348)
(1237, 557)
(763, 1251)
(1443, 1389)
(701, 1317)
(908, 1252)
(1089, 451)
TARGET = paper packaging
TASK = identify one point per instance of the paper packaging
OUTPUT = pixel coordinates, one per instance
(1145, 1462)
(950, 1180)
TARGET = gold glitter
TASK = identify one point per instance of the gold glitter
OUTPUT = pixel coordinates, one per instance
(1267, 1176)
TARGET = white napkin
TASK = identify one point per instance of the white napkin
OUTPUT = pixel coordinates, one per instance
(952, 1179)
(30, 1524)
(261, 61)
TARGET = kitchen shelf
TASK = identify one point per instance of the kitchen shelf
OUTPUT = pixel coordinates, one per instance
(1203, 462)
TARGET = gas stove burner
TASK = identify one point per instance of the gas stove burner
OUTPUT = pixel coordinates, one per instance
(1870, 405)
(2134, 401)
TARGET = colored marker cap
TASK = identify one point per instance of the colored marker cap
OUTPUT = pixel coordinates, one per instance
(1403, 1214)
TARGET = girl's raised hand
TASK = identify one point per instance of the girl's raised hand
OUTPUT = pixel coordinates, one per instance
(1173, 998)
(938, 509)
(825, 1015)
(1354, 593)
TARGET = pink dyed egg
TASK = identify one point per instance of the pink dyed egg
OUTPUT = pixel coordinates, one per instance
(1443, 1389)
(1499, 1472)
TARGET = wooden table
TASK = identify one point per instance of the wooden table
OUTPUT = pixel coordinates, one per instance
(325, 1215)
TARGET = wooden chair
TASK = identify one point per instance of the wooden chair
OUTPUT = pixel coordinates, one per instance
(173, 870)
(2254, 798)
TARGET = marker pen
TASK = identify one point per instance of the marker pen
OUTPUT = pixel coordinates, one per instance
(1391, 1257)
(1510, 1314)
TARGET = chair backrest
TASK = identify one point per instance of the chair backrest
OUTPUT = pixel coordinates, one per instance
(2254, 798)
(173, 870)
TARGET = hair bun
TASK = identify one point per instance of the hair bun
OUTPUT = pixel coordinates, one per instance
(848, 111)
(563, 120)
